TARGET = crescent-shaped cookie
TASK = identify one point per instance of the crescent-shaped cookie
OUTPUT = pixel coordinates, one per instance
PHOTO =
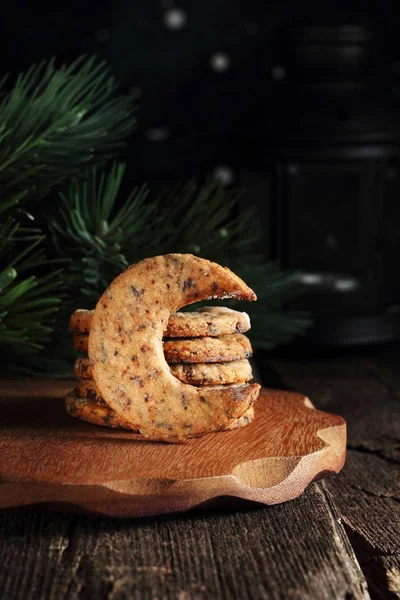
(126, 351)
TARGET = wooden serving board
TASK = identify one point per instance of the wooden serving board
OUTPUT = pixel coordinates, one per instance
(51, 459)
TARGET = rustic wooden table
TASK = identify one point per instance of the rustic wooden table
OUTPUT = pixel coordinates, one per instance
(339, 540)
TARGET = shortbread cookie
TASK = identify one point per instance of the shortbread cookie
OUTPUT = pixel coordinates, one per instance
(101, 414)
(83, 368)
(81, 320)
(207, 321)
(199, 374)
(80, 341)
(87, 389)
(237, 371)
(244, 420)
(93, 412)
(125, 348)
(224, 348)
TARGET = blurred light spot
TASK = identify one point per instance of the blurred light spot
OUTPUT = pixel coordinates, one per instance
(224, 175)
(346, 284)
(175, 19)
(102, 35)
(158, 134)
(135, 92)
(220, 62)
(278, 72)
(311, 278)
(292, 169)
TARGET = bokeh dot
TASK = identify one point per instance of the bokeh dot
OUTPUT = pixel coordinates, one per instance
(224, 175)
(311, 278)
(278, 72)
(220, 62)
(157, 134)
(175, 19)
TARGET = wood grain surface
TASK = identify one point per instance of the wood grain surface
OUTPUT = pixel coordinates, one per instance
(366, 497)
(337, 541)
(47, 457)
(293, 550)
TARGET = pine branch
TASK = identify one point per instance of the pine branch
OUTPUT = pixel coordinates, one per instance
(198, 219)
(28, 302)
(101, 241)
(54, 120)
(93, 236)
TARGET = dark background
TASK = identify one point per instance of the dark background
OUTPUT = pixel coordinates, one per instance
(297, 103)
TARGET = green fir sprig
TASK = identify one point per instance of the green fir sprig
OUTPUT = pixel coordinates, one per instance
(56, 120)
(96, 239)
(53, 122)
(28, 301)
(59, 127)
(101, 240)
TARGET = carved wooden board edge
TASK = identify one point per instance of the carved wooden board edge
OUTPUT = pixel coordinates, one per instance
(290, 445)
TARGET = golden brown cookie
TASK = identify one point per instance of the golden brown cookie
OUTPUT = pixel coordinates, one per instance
(80, 341)
(87, 389)
(237, 371)
(206, 321)
(244, 420)
(101, 414)
(93, 412)
(126, 351)
(81, 320)
(83, 368)
(224, 348)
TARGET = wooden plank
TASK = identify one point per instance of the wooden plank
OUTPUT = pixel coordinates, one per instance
(294, 550)
(366, 495)
(31, 551)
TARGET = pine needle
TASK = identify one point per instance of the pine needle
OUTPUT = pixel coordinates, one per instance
(58, 119)
(101, 241)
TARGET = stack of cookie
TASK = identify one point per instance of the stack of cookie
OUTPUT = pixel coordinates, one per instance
(205, 347)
